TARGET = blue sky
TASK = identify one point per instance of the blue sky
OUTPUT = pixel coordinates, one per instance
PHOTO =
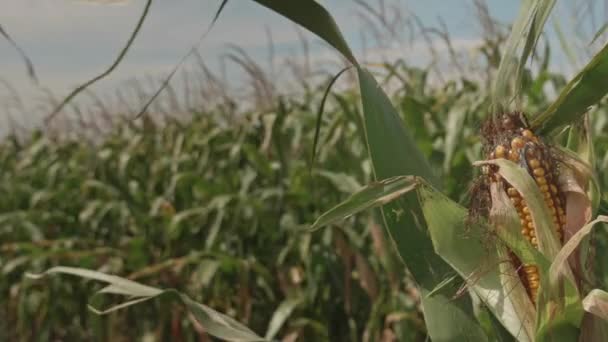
(70, 41)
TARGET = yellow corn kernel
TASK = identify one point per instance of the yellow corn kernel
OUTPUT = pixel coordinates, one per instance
(534, 163)
(517, 143)
(499, 151)
(541, 167)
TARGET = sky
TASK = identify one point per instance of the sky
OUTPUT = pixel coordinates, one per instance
(70, 41)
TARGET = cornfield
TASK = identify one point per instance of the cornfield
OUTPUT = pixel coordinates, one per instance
(394, 209)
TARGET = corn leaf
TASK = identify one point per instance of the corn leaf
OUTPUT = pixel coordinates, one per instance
(596, 303)
(462, 251)
(559, 304)
(394, 153)
(177, 66)
(552, 318)
(373, 195)
(465, 248)
(505, 223)
(280, 316)
(580, 151)
(443, 290)
(560, 261)
(110, 69)
(520, 179)
(214, 323)
(315, 18)
(525, 33)
(583, 91)
(320, 112)
(392, 149)
(595, 323)
(28, 62)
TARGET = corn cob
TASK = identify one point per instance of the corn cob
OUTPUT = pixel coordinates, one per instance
(509, 137)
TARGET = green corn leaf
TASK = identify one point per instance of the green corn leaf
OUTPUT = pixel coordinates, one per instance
(392, 149)
(559, 307)
(525, 33)
(315, 18)
(119, 285)
(373, 195)
(465, 248)
(280, 316)
(320, 112)
(419, 256)
(541, 13)
(583, 91)
(341, 181)
(214, 323)
(465, 252)
(394, 153)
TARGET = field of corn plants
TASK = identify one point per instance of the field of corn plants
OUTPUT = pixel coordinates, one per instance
(396, 208)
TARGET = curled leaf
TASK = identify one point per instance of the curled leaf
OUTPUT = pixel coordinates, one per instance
(214, 323)
(596, 303)
(559, 263)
